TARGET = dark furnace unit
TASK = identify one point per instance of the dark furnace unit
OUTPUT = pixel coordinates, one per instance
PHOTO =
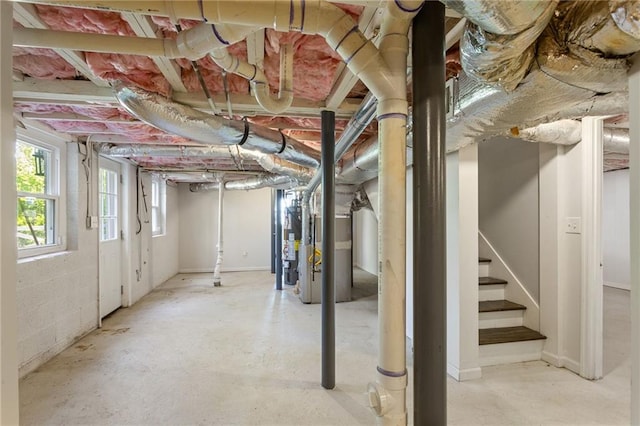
(292, 234)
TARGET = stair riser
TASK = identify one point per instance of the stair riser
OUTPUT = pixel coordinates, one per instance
(500, 319)
(507, 353)
(491, 292)
(483, 270)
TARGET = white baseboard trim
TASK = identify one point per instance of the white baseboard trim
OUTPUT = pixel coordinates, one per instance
(621, 286)
(231, 269)
(561, 361)
(464, 374)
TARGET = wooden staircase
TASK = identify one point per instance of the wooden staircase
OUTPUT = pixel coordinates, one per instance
(502, 336)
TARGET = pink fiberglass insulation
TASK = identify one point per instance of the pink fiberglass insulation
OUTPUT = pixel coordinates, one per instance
(138, 70)
(42, 63)
(315, 63)
(84, 20)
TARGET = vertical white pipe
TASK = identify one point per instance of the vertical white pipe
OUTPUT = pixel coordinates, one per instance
(388, 395)
(216, 272)
(8, 247)
(634, 185)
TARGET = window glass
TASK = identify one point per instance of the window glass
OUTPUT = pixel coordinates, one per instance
(37, 187)
(108, 197)
(158, 218)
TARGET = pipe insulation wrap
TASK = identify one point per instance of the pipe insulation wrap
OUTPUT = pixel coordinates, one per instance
(269, 162)
(611, 27)
(218, 268)
(500, 17)
(257, 182)
(209, 129)
(499, 58)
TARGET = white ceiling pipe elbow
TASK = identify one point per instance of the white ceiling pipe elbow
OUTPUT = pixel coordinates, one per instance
(285, 94)
(258, 79)
(198, 41)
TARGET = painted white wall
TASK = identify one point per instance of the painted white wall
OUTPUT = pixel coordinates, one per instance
(462, 264)
(58, 293)
(247, 230)
(508, 198)
(164, 248)
(365, 240)
(615, 229)
(560, 255)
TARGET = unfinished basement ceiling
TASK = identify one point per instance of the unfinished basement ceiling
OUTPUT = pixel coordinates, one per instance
(69, 91)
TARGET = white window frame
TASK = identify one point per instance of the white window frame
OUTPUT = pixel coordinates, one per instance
(159, 205)
(57, 194)
(114, 197)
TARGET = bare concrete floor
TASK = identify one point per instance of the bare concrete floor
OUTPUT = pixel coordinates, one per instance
(245, 354)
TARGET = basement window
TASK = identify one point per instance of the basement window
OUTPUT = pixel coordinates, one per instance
(158, 206)
(40, 208)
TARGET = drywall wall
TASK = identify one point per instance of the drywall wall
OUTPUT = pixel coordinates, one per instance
(508, 205)
(164, 248)
(365, 240)
(462, 264)
(615, 229)
(57, 293)
(247, 230)
(198, 233)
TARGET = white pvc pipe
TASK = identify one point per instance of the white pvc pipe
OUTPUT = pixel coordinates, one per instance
(389, 391)
(101, 43)
(258, 79)
(216, 272)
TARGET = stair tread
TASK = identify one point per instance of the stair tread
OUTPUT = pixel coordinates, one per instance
(491, 280)
(484, 260)
(499, 305)
(490, 336)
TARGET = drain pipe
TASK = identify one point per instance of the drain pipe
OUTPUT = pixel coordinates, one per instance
(429, 219)
(328, 251)
(216, 272)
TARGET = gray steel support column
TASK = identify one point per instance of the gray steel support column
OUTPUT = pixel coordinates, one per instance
(273, 231)
(279, 197)
(429, 218)
(328, 246)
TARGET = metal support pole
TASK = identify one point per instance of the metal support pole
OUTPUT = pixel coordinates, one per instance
(328, 245)
(217, 279)
(429, 218)
(273, 231)
(279, 197)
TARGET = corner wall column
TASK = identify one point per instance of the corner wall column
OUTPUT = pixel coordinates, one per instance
(429, 218)
(634, 200)
(9, 412)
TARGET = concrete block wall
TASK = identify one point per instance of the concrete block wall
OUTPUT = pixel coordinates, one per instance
(57, 293)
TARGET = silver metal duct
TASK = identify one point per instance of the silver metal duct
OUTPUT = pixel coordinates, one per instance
(500, 17)
(354, 128)
(567, 80)
(269, 162)
(503, 59)
(569, 132)
(263, 181)
(198, 126)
